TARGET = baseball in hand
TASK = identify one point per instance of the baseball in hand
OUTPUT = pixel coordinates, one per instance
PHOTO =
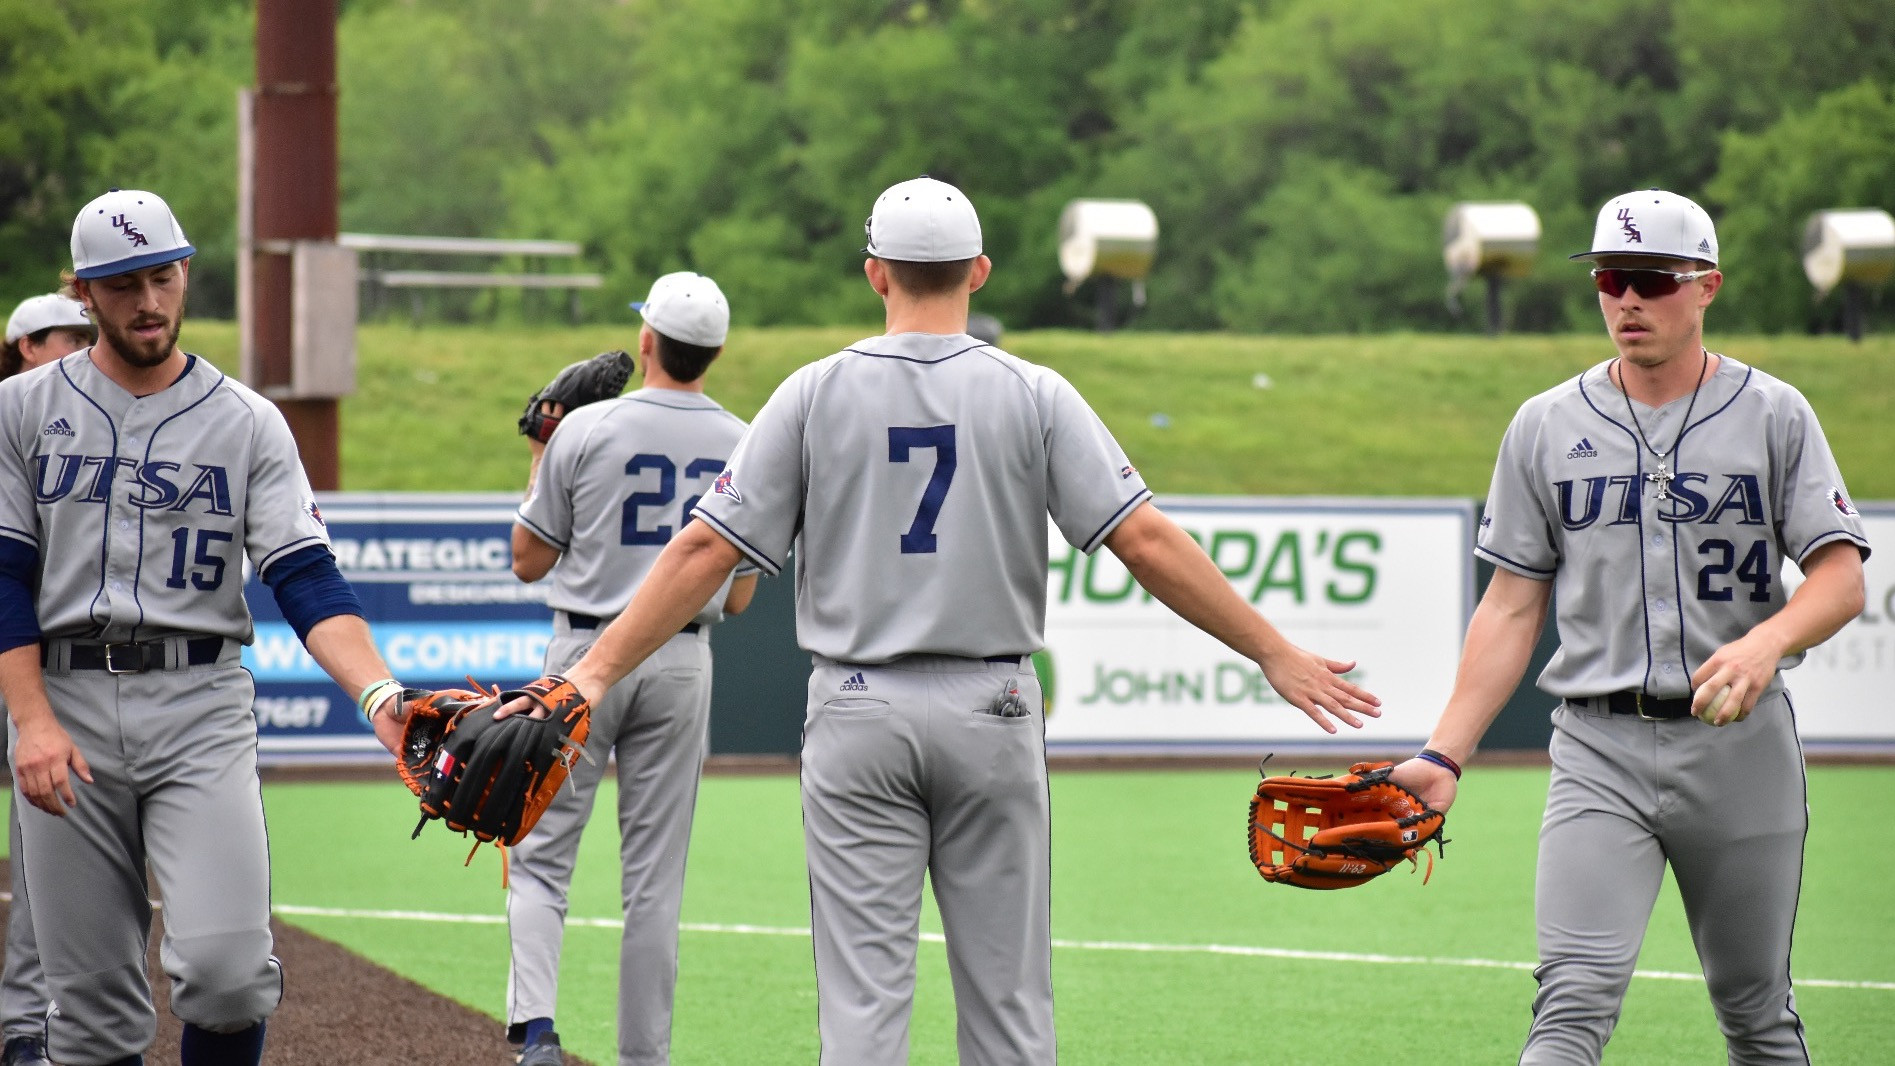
(1716, 704)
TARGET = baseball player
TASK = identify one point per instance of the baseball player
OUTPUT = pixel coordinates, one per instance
(40, 330)
(914, 473)
(612, 486)
(134, 478)
(1658, 494)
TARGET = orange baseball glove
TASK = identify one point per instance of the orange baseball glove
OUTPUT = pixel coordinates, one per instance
(1338, 832)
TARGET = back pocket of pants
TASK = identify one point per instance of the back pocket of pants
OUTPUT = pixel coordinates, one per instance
(856, 707)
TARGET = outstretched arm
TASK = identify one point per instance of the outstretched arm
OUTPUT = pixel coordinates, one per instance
(1171, 566)
(1500, 641)
(342, 646)
(682, 580)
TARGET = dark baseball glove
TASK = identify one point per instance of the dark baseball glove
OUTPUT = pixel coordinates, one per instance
(1339, 832)
(495, 778)
(599, 378)
(428, 715)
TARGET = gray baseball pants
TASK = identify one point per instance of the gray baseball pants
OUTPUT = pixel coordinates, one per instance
(912, 773)
(23, 999)
(1728, 809)
(657, 720)
(174, 768)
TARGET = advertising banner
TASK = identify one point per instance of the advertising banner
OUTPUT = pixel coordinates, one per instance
(434, 572)
(1386, 583)
(1841, 690)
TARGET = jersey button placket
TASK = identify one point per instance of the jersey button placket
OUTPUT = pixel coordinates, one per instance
(1663, 620)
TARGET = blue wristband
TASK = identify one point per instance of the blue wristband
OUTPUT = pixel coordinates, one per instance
(1445, 763)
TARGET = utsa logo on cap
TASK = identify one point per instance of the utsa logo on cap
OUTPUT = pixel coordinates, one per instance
(123, 231)
(1656, 223)
(724, 486)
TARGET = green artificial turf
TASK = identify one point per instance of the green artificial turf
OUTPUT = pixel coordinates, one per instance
(1394, 414)
(1151, 858)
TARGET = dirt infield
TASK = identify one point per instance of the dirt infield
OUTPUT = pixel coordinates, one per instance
(340, 1008)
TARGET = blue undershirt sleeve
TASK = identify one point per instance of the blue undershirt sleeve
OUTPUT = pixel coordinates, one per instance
(19, 572)
(308, 588)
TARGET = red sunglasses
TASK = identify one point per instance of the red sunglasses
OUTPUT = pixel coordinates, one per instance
(1651, 284)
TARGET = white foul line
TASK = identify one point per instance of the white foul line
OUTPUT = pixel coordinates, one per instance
(1076, 945)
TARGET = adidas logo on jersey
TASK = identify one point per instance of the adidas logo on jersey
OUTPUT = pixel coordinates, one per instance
(1583, 450)
(855, 683)
(58, 427)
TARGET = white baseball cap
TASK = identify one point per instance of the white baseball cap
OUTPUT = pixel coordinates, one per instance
(687, 307)
(1653, 222)
(923, 221)
(51, 311)
(123, 231)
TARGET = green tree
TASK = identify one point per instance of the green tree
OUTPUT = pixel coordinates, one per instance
(1835, 153)
(59, 114)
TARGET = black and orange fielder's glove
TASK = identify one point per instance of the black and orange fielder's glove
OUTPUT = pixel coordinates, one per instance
(426, 717)
(495, 778)
(1339, 832)
(588, 381)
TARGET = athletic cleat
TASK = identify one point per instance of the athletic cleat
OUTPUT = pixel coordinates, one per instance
(543, 1051)
(28, 1051)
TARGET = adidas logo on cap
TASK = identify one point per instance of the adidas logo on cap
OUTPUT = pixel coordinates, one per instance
(855, 683)
(1583, 450)
(58, 427)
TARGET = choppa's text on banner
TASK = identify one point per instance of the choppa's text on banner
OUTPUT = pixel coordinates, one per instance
(1387, 584)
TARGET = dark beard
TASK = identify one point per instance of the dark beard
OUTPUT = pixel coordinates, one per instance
(137, 353)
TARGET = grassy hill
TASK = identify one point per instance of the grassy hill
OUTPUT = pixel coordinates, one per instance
(1390, 414)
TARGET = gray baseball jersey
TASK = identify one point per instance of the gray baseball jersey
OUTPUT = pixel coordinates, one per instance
(1664, 530)
(616, 482)
(914, 474)
(618, 479)
(142, 510)
(1657, 564)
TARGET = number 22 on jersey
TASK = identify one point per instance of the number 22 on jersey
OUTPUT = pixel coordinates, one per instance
(630, 531)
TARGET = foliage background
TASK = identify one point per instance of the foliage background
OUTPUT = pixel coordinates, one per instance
(1300, 154)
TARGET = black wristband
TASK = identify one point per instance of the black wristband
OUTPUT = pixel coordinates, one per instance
(1442, 761)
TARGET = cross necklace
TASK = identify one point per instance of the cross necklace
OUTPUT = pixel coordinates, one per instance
(1663, 476)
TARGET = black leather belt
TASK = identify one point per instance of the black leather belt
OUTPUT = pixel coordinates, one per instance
(1648, 706)
(1011, 660)
(137, 657)
(593, 621)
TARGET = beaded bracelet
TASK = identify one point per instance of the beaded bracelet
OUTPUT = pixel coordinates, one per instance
(374, 694)
(1442, 761)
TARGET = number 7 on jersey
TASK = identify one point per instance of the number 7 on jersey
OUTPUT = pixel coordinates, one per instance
(902, 440)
